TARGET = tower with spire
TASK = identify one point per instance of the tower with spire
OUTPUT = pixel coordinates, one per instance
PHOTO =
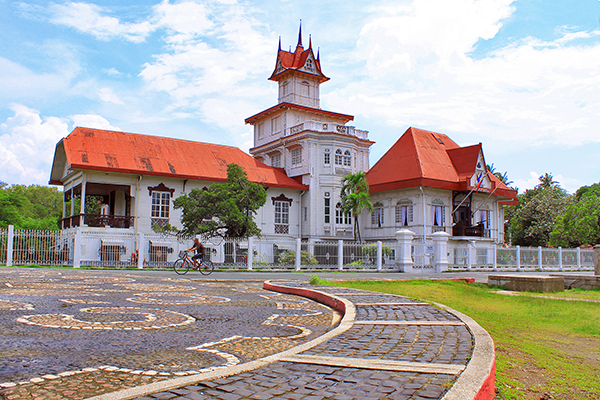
(312, 145)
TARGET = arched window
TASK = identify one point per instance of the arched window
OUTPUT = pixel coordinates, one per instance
(340, 218)
(404, 212)
(338, 157)
(377, 215)
(347, 158)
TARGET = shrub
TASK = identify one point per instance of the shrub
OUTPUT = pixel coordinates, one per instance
(289, 258)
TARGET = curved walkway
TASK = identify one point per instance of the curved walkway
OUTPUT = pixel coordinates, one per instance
(385, 346)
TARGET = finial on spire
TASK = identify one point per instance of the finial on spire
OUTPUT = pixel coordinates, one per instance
(300, 34)
(279, 49)
(318, 53)
(310, 41)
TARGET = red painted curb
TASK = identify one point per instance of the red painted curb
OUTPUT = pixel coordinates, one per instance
(488, 389)
(310, 294)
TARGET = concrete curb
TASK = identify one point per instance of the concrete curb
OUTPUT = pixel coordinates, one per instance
(477, 381)
(343, 306)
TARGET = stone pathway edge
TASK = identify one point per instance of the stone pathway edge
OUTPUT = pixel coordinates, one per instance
(343, 306)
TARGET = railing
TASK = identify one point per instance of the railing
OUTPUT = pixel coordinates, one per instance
(317, 126)
(98, 221)
(128, 250)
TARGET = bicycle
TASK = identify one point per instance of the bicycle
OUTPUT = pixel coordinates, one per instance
(185, 262)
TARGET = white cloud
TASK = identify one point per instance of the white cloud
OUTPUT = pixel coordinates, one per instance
(88, 18)
(27, 145)
(107, 95)
(92, 121)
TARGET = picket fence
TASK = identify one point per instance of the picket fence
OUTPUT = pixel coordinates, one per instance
(155, 251)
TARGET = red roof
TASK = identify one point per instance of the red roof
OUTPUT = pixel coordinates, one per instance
(132, 153)
(343, 117)
(294, 61)
(429, 159)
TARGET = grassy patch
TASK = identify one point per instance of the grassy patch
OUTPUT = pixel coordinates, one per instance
(545, 348)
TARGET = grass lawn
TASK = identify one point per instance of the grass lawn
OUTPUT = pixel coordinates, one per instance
(545, 348)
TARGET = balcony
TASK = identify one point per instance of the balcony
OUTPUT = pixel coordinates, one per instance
(462, 229)
(98, 221)
(317, 126)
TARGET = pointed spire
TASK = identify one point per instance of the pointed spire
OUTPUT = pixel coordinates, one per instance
(318, 53)
(279, 49)
(300, 35)
(310, 41)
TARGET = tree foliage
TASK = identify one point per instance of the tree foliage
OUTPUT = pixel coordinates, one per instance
(534, 218)
(224, 209)
(355, 198)
(580, 223)
(30, 207)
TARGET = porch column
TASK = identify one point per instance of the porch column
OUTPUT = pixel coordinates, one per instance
(404, 259)
(72, 201)
(82, 205)
(440, 251)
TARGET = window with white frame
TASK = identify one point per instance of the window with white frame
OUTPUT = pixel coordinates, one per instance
(327, 157)
(438, 216)
(275, 125)
(404, 212)
(282, 212)
(276, 160)
(339, 158)
(347, 159)
(261, 130)
(327, 208)
(377, 216)
(161, 204)
(296, 156)
(341, 218)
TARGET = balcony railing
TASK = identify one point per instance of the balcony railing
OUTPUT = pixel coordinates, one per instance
(327, 127)
(98, 221)
(461, 229)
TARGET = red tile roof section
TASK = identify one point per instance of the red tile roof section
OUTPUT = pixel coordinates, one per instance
(429, 159)
(94, 149)
(343, 117)
(293, 61)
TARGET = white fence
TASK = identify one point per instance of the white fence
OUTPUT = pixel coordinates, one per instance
(123, 250)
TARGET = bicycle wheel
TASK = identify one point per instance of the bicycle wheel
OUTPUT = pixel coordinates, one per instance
(206, 267)
(181, 266)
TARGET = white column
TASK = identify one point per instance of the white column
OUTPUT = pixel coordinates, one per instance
(340, 255)
(597, 259)
(578, 258)
(540, 254)
(82, 204)
(77, 249)
(560, 265)
(250, 252)
(440, 251)
(10, 245)
(141, 251)
(470, 248)
(379, 255)
(518, 258)
(495, 255)
(298, 253)
(404, 257)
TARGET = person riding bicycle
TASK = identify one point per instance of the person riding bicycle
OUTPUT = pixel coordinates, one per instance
(200, 251)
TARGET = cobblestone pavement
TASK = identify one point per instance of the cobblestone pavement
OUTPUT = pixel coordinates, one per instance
(75, 334)
(396, 348)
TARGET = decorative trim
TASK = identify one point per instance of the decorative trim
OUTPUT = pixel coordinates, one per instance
(160, 188)
(281, 197)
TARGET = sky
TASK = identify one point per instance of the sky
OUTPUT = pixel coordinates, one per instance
(521, 77)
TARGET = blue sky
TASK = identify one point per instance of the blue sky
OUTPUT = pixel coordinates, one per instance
(522, 77)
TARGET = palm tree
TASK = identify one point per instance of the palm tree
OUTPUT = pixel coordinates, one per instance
(355, 198)
(547, 180)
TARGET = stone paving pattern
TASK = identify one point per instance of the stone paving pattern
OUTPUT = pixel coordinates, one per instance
(77, 333)
(445, 344)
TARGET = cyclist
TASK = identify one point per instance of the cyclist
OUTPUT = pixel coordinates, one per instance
(200, 251)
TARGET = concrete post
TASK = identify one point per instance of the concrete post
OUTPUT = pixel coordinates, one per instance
(10, 245)
(77, 249)
(250, 254)
(495, 256)
(404, 257)
(379, 255)
(440, 251)
(540, 266)
(578, 258)
(518, 258)
(298, 253)
(560, 264)
(141, 251)
(597, 259)
(340, 255)
(470, 248)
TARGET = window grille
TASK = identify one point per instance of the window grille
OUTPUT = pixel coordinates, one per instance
(347, 158)
(276, 160)
(296, 156)
(338, 157)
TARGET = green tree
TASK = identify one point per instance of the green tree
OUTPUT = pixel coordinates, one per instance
(224, 209)
(30, 207)
(355, 198)
(534, 218)
(580, 223)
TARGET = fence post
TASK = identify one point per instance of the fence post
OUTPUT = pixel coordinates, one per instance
(340, 255)
(518, 257)
(597, 259)
(10, 245)
(495, 256)
(250, 252)
(379, 255)
(440, 251)
(578, 258)
(560, 265)
(141, 251)
(298, 253)
(77, 249)
(470, 248)
(540, 265)
(404, 258)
